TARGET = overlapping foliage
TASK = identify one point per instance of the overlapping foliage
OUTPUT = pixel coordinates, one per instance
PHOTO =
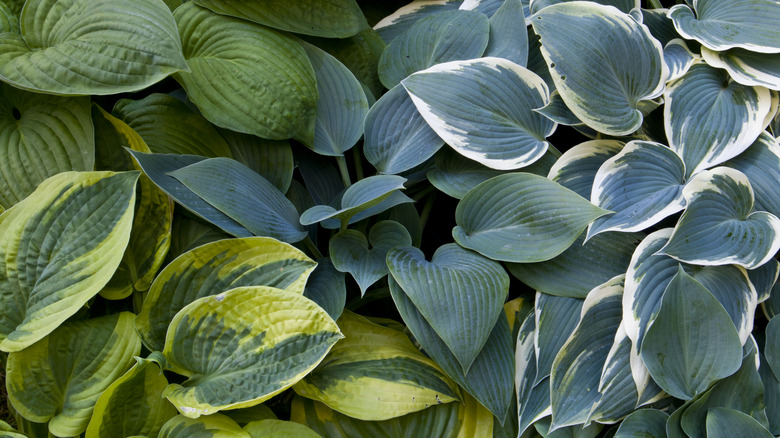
(335, 218)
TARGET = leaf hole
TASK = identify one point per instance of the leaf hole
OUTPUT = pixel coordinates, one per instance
(563, 78)
(552, 65)
(16, 114)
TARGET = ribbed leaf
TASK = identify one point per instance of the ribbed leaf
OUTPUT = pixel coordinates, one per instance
(244, 196)
(601, 88)
(216, 426)
(58, 248)
(6, 431)
(771, 395)
(577, 167)
(761, 164)
(764, 278)
(437, 38)
(327, 287)
(556, 319)
(278, 429)
(532, 404)
(719, 225)
(267, 85)
(41, 136)
(692, 342)
(724, 422)
(76, 47)
(216, 267)
(625, 6)
(520, 217)
(406, 16)
(133, 405)
(746, 67)
(750, 24)
(543, 428)
(60, 378)
(678, 58)
(273, 159)
(333, 18)
(708, 122)
(642, 184)
(508, 39)
(772, 350)
(375, 374)
(242, 347)
(557, 111)
(459, 293)
(9, 20)
(483, 108)
(618, 392)
(643, 423)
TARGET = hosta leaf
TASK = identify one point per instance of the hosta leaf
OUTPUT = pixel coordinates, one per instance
(406, 16)
(761, 164)
(58, 248)
(273, 159)
(60, 378)
(244, 196)
(320, 176)
(771, 395)
(376, 373)
(692, 342)
(625, 6)
(618, 393)
(397, 137)
(133, 404)
(719, 225)
(41, 136)
(342, 104)
(772, 350)
(601, 89)
(724, 422)
(76, 47)
(267, 85)
(6, 431)
(709, 120)
(678, 58)
(245, 416)
(643, 423)
(9, 20)
(168, 126)
(520, 217)
(455, 174)
(557, 111)
(215, 267)
(440, 37)
(508, 39)
(746, 67)
(280, 429)
(530, 408)
(543, 427)
(577, 167)
(556, 319)
(243, 346)
(576, 371)
(327, 287)
(350, 253)
(333, 18)
(764, 278)
(642, 184)
(718, 25)
(486, 111)
(216, 426)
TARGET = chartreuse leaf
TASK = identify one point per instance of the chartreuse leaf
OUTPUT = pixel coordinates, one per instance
(58, 248)
(76, 47)
(440, 37)
(41, 136)
(520, 217)
(406, 16)
(243, 195)
(507, 39)
(350, 253)
(267, 85)
(643, 423)
(692, 342)
(342, 104)
(60, 378)
(642, 184)
(6, 431)
(133, 404)
(724, 422)
(577, 369)
(749, 24)
(719, 225)
(278, 429)
(242, 347)
(216, 426)
(577, 167)
(9, 20)
(486, 112)
(678, 58)
(709, 120)
(214, 267)
(168, 126)
(397, 137)
(459, 293)
(333, 18)
(601, 89)
(376, 373)
(747, 67)
(761, 164)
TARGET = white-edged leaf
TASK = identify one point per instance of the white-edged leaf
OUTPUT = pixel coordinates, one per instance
(761, 164)
(763, 278)
(746, 67)
(678, 58)
(525, 374)
(557, 111)
(619, 395)
(406, 16)
(624, 6)
(556, 318)
(576, 168)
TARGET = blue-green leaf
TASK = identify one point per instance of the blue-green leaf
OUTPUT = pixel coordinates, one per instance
(326, 287)
(726, 423)
(678, 58)
(530, 408)
(643, 423)
(406, 16)
(761, 164)
(508, 38)
(747, 67)
(619, 395)
(556, 319)
(577, 167)
(625, 6)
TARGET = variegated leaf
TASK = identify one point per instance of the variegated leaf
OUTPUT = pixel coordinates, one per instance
(761, 164)
(577, 167)
(747, 67)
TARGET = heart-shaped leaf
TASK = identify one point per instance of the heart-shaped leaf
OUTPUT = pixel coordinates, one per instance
(77, 47)
(486, 114)
(746, 67)
(761, 164)
(577, 167)
(724, 422)
(601, 89)
(520, 217)
(350, 253)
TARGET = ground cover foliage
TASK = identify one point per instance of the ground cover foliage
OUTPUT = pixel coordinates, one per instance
(360, 219)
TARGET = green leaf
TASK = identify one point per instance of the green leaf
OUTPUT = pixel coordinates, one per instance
(719, 225)
(58, 248)
(724, 422)
(273, 159)
(507, 39)
(771, 395)
(437, 38)
(133, 404)
(327, 287)
(78, 47)
(459, 293)
(761, 164)
(216, 267)
(278, 429)
(528, 411)
(749, 24)
(692, 342)
(709, 120)
(255, 340)
(643, 423)
(217, 426)
(267, 86)
(556, 319)
(376, 373)
(333, 18)
(746, 67)
(244, 196)
(601, 89)
(350, 253)
(624, 6)
(41, 136)
(60, 378)
(520, 217)
(9, 20)
(618, 391)
(483, 108)
(577, 167)
(557, 111)
(764, 278)
(406, 16)
(772, 350)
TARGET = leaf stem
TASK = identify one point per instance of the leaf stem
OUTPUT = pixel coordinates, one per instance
(312, 247)
(426, 212)
(358, 163)
(656, 4)
(344, 170)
